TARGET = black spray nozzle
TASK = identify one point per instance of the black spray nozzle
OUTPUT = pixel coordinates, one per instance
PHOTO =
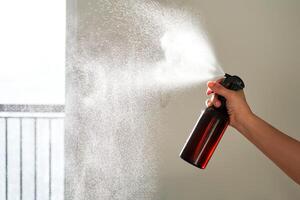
(233, 82)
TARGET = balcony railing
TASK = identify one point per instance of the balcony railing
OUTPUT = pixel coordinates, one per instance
(31, 152)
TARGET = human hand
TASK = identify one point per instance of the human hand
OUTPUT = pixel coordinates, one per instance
(237, 106)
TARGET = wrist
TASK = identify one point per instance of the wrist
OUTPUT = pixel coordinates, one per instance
(245, 122)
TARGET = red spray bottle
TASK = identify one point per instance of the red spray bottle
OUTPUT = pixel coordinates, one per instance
(209, 128)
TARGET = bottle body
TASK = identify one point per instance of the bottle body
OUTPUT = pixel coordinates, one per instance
(205, 136)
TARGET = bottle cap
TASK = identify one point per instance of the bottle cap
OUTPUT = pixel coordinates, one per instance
(233, 82)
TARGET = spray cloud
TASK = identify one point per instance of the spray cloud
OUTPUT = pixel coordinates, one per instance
(127, 54)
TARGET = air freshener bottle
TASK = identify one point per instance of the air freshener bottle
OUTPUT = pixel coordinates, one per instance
(209, 128)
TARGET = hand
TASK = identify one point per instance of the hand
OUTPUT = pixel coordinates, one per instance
(280, 148)
(237, 107)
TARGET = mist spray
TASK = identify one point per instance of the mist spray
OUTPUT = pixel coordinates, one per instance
(209, 128)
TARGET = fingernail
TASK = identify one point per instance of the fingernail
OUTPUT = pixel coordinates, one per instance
(207, 102)
(209, 92)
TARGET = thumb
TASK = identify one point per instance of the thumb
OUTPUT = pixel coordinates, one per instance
(219, 89)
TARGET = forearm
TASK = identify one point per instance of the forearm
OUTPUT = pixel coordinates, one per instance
(283, 150)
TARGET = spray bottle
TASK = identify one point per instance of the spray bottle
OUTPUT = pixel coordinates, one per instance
(209, 128)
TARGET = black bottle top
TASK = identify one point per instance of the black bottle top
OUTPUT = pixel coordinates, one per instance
(232, 83)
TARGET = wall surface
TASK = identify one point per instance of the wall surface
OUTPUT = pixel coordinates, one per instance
(124, 129)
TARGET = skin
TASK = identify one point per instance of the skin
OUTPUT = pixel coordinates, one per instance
(283, 150)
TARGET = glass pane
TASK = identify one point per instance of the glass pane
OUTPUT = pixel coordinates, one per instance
(32, 52)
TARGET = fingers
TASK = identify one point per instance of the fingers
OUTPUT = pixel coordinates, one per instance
(208, 103)
(213, 101)
(216, 87)
(209, 91)
(213, 89)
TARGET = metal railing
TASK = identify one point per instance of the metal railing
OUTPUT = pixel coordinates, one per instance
(31, 152)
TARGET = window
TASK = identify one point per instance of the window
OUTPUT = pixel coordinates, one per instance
(32, 94)
(32, 52)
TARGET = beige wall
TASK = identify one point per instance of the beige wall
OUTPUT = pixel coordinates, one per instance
(257, 40)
